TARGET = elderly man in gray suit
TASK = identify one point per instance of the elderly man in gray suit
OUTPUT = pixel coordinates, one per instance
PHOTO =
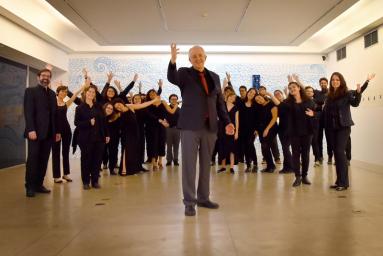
(202, 105)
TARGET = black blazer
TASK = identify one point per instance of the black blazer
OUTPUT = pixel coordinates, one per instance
(40, 107)
(195, 102)
(87, 132)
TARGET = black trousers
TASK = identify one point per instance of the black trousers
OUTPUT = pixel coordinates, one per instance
(301, 151)
(320, 136)
(91, 158)
(37, 162)
(110, 154)
(329, 141)
(315, 144)
(247, 145)
(266, 144)
(287, 158)
(64, 145)
(274, 148)
(348, 149)
(340, 138)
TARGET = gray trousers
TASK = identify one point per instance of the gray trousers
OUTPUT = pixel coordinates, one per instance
(173, 137)
(201, 143)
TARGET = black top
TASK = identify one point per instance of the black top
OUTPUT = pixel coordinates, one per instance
(154, 113)
(247, 119)
(337, 112)
(86, 132)
(173, 118)
(264, 116)
(62, 123)
(296, 122)
(40, 110)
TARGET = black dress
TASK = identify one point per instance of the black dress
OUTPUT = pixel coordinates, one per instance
(130, 140)
(227, 143)
(247, 119)
(156, 136)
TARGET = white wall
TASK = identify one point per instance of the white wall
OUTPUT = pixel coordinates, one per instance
(25, 42)
(367, 134)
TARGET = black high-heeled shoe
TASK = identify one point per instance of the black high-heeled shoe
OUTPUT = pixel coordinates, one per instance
(221, 170)
(341, 188)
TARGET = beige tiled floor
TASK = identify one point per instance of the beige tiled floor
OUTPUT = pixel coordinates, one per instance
(260, 214)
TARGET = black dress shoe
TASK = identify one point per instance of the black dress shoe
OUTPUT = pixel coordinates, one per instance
(255, 168)
(168, 163)
(333, 186)
(176, 163)
(86, 186)
(306, 181)
(96, 185)
(30, 192)
(221, 170)
(248, 169)
(43, 190)
(341, 188)
(231, 170)
(297, 182)
(113, 173)
(268, 170)
(208, 204)
(189, 210)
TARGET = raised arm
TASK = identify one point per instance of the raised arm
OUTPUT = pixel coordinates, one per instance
(160, 84)
(73, 96)
(173, 75)
(273, 99)
(145, 104)
(125, 92)
(168, 108)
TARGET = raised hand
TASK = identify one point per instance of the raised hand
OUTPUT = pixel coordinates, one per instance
(48, 66)
(87, 82)
(225, 83)
(85, 72)
(135, 77)
(160, 82)
(174, 51)
(370, 77)
(358, 88)
(289, 78)
(118, 85)
(228, 76)
(110, 77)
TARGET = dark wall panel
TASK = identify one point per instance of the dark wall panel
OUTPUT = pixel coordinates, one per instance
(13, 77)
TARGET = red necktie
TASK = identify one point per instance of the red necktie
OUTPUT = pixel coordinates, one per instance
(204, 83)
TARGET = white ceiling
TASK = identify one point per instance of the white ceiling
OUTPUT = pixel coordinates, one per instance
(215, 22)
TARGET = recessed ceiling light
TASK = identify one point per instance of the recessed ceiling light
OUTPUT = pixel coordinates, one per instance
(204, 15)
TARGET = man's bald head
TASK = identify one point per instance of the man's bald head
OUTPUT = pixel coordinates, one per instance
(197, 57)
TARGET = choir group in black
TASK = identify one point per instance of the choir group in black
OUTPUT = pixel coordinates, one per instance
(299, 116)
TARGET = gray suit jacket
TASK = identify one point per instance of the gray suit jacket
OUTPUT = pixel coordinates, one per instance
(195, 102)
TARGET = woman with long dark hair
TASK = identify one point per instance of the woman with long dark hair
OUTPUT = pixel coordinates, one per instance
(247, 117)
(267, 128)
(300, 109)
(227, 144)
(131, 158)
(114, 129)
(156, 123)
(63, 127)
(92, 136)
(338, 121)
(284, 136)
